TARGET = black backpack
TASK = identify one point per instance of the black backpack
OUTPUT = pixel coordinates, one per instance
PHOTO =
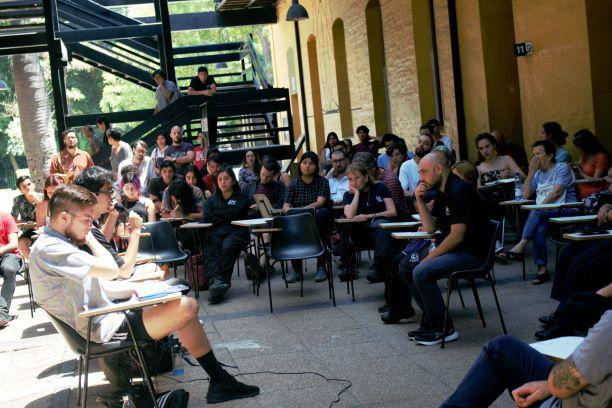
(140, 396)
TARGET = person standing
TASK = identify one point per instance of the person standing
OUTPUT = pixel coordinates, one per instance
(366, 145)
(120, 150)
(71, 160)
(166, 91)
(204, 84)
(10, 263)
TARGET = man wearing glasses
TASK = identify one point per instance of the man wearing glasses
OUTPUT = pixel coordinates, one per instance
(67, 280)
(71, 160)
(338, 180)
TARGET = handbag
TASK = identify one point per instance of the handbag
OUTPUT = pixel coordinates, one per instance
(414, 252)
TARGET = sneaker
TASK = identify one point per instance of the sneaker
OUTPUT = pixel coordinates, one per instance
(294, 276)
(433, 337)
(321, 275)
(228, 390)
(423, 328)
(392, 316)
(217, 291)
(384, 308)
(548, 320)
(375, 277)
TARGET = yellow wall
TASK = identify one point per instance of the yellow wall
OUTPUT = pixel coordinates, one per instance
(556, 80)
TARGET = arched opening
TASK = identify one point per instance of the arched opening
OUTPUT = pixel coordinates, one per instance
(376, 51)
(315, 87)
(344, 93)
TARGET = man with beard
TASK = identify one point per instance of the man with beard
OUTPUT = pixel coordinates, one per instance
(338, 180)
(142, 162)
(409, 171)
(179, 152)
(71, 160)
(67, 280)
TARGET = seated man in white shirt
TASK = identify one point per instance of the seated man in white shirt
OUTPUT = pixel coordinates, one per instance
(409, 171)
(338, 180)
(66, 281)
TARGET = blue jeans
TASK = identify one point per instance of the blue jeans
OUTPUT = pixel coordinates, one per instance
(424, 286)
(10, 264)
(536, 228)
(505, 363)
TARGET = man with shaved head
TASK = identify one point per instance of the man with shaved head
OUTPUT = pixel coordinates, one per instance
(459, 214)
(179, 152)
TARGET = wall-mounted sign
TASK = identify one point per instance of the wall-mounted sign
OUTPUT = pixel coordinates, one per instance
(522, 49)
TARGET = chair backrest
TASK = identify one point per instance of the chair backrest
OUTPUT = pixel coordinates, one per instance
(492, 237)
(76, 343)
(163, 237)
(299, 238)
(263, 205)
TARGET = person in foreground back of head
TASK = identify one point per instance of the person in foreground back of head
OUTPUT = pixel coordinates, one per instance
(459, 213)
(67, 281)
(584, 379)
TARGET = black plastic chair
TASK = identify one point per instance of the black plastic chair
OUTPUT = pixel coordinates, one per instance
(299, 240)
(24, 272)
(162, 245)
(484, 272)
(86, 352)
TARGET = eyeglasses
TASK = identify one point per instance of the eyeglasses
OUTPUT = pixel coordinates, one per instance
(88, 220)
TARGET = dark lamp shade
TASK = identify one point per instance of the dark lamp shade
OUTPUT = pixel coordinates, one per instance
(296, 12)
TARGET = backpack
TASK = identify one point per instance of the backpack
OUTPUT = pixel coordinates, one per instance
(139, 395)
(414, 252)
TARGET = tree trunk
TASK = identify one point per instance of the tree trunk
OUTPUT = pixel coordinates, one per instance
(34, 115)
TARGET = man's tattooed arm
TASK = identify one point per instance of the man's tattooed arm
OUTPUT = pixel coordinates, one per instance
(565, 380)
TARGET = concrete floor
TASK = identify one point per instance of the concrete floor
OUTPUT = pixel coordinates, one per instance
(348, 342)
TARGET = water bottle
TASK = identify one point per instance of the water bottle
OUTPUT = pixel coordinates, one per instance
(127, 402)
(518, 187)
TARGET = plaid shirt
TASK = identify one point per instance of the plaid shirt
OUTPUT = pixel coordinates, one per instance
(394, 186)
(300, 194)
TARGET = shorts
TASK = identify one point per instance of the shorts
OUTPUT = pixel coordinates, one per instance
(140, 333)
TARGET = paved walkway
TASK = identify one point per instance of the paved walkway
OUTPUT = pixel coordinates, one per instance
(304, 334)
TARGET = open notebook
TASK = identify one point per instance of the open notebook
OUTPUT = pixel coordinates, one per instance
(558, 349)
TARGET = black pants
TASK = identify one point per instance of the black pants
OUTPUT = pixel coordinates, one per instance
(221, 249)
(397, 291)
(583, 266)
(581, 311)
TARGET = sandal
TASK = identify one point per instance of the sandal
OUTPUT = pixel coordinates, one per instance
(510, 255)
(540, 278)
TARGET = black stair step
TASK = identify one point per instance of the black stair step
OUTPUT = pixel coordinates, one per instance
(237, 141)
(252, 132)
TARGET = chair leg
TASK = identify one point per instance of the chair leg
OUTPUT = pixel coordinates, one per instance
(501, 317)
(86, 367)
(141, 362)
(523, 262)
(449, 289)
(477, 300)
(304, 270)
(330, 278)
(79, 390)
(460, 296)
(503, 232)
(283, 266)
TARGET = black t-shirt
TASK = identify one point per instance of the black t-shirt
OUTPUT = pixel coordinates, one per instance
(198, 85)
(157, 186)
(371, 201)
(99, 236)
(460, 203)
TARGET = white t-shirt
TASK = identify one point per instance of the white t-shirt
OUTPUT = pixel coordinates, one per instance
(448, 143)
(337, 188)
(409, 175)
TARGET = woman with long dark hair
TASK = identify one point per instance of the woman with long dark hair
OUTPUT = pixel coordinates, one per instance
(325, 154)
(552, 131)
(162, 140)
(593, 164)
(181, 202)
(249, 172)
(310, 190)
(224, 241)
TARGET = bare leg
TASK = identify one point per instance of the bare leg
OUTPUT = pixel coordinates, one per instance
(24, 247)
(520, 247)
(180, 316)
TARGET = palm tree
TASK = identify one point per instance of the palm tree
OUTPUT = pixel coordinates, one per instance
(34, 115)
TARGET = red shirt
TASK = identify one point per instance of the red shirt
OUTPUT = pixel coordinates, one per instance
(7, 227)
(210, 181)
(200, 157)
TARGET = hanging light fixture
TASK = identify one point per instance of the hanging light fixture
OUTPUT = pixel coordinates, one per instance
(296, 12)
